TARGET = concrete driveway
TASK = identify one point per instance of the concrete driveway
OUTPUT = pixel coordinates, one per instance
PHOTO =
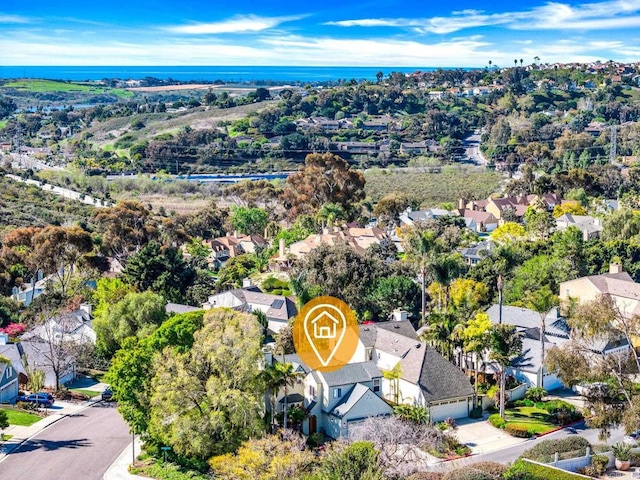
(482, 437)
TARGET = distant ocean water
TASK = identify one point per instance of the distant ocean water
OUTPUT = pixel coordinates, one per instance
(211, 73)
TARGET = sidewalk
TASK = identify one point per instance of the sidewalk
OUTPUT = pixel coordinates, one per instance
(119, 470)
(21, 434)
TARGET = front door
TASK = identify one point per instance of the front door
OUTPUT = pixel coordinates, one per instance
(313, 424)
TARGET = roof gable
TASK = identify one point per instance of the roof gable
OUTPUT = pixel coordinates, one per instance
(440, 379)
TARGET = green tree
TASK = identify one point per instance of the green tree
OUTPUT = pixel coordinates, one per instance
(131, 368)
(208, 400)
(162, 270)
(325, 178)
(331, 214)
(476, 336)
(136, 315)
(506, 350)
(509, 232)
(419, 252)
(4, 422)
(108, 292)
(396, 292)
(542, 301)
(358, 461)
(249, 220)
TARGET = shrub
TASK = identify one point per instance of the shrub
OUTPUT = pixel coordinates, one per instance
(425, 476)
(476, 412)
(563, 417)
(621, 451)
(599, 463)
(589, 471)
(553, 406)
(315, 439)
(518, 431)
(29, 406)
(546, 450)
(467, 473)
(523, 403)
(492, 468)
(522, 470)
(536, 394)
(497, 421)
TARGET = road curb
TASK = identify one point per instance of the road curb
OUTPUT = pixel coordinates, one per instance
(5, 453)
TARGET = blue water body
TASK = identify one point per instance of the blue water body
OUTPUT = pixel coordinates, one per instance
(202, 73)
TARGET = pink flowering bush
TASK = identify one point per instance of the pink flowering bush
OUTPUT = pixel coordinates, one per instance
(14, 329)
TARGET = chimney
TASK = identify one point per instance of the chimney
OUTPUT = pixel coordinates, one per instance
(235, 234)
(246, 283)
(615, 268)
(461, 204)
(4, 339)
(399, 315)
(282, 247)
(86, 307)
(268, 356)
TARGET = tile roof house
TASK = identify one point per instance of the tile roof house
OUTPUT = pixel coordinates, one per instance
(518, 204)
(357, 238)
(479, 221)
(232, 245)
(278, 308)
(410, 217)
(472, 255)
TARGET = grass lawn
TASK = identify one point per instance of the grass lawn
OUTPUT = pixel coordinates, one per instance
(65, 87)
(88, 393)
(533, 419)
(3, 123)
(18, 417)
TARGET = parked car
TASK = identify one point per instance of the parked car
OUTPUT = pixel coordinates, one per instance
(632, 438)
(41, 398)
(107, 395)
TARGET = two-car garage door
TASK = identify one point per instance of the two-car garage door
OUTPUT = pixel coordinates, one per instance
(458, 408)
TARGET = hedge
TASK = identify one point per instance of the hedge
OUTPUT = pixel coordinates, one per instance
(546, 449)
(497, 421)
(518, 431)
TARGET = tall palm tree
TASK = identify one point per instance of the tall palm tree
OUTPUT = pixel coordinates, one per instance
(277, 376)
(542, 301)
(394, 375)
(441, 333)
(445, 269)
(506, 349)
(420, 250)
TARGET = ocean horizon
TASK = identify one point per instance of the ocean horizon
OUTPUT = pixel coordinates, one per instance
(228, 74)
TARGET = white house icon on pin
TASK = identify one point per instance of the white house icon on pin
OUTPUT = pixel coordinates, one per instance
(324, 326)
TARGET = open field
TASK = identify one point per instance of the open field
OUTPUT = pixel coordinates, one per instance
(41, 86)
(107, 132)
(169, 88)
(432, 189)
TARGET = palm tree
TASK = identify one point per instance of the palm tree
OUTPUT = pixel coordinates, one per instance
(277, 376)
(441, 333)
(445, 269)
(330, 214)
(420, 249)
(542, 301)
(521, 62)
(537, 59)
(394, 375)
(506, 350)
(515, 62)
(490, 62)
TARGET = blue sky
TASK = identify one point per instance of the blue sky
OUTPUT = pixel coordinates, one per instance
(331, 32)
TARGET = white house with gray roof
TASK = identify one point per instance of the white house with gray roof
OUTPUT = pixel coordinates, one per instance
(426, 377)
(278, 308)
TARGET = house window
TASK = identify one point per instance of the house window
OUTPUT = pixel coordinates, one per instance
(376, 384)
(312, 391)
(337, 392)
(9, 371)
(369, 353)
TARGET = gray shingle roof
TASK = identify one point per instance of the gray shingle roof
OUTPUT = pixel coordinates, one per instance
(178, 308)
(440, 379)
(352, 373)
(349, 400)
(403, 327)
(524, 318)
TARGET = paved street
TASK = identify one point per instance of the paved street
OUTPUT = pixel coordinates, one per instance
(82, 446)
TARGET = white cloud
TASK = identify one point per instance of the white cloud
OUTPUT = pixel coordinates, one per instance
(4, 18)
(280, 49)
(237, 24)
(610, 14)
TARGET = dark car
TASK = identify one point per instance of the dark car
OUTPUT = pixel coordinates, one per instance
(107, 395)
(41, 399)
